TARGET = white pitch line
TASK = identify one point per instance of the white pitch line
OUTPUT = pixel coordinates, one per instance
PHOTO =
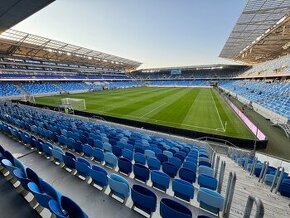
(154, 109)
(217, 112)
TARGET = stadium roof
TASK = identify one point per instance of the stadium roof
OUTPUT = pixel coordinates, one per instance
(17, 43)
(256, 32)
(14, 11)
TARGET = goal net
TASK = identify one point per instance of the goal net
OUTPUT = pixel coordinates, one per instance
(28, 98)
(73, 103)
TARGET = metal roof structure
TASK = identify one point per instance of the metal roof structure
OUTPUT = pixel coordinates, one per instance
(259, 19)
(14, 11)
(17, 43)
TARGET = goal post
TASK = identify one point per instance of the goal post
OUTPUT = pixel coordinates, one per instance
(28, 98)
(73, 103)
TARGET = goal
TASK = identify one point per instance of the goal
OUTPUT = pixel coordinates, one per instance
(28, 98)
(73, 103)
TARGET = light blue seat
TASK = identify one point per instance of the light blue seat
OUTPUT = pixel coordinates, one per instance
(110, 160)
(207, 181)
(153, 163)
(144, 199)
(107, 146)
(187, 174)
(57, 154)
(98, 155)
(126, 153)
(119, 186)
(205, 170)
(149, 153)
(160, 180)
(210, 200)
(139, 158)
(83, 167)
(183, 189)
(173, 209)
(99, 176)
(169, 154)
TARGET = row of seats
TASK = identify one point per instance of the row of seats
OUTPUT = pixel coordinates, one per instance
(184, 172)
(267, 173)
(142, 197)
(44, 194)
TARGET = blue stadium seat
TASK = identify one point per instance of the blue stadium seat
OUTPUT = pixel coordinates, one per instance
(162, 158)
(69, 160)
(88, 150)
(119, 186)
(187, 174)
(99, 176)
(98, 155)
(207, 181)
(139, 158)
(110, 160)
(67, 208)
(83, 167)
(172, 209)
(176, 161)
(144, 199)
(170, 169)
(205, 170)
(125, 165)
(128, 154)
(153, 163)
(141, 172)
(149, 153)
(183, 189)
(210, 200)
(160, 180)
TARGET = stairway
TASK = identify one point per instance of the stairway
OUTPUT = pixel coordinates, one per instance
(22, 90)
(275, 205)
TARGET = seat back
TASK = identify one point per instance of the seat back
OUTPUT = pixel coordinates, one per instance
(110, 159)
(170, 169)
(187, 174)
(128, 154)
(99, 176)
(83, 167)
(183, 189)
(139, 158)
(207, 181)
(149, 153)
(160, 180)
(125, 165)
(153, 163)
(141, 172)
(119, 186)
(171, 208)
(98, 155)
(144, 198)
(210, 200)
(176, 161)
(205, 170)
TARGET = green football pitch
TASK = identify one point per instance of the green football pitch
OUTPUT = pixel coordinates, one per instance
(200, 109)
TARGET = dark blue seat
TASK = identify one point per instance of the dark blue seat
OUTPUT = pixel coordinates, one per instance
(170, 169)
(162, 158)
(67, 208)
(183, 189)
(47, 147)
(284, 187)
(187, 174)
(117, 151)
(99, 176)
(141, 172)
(125, 165)
(204, 163)
(160, 180)
(172, 209)
(207, 181)
(144, 199)
(176, 161)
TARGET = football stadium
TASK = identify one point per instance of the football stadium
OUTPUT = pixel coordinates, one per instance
(84, 133)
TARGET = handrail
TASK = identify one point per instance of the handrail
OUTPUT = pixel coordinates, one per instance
(216, 168)
(275, 177)
(229, 194)
(279, 180)
(249, 206)
(263, 171)
(221, 176)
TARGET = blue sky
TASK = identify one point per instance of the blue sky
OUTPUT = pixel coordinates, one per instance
(158, 33)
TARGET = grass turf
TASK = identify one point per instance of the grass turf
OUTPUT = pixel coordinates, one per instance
(200, 109)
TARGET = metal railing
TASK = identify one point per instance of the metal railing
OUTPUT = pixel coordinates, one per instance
(229, 194)
(249, 206)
